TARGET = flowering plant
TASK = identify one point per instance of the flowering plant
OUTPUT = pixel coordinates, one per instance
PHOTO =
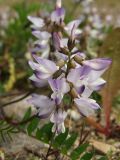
(64, 68)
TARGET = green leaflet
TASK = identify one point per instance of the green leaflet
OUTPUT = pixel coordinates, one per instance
(27, 114)
(78, 151)
(87, 156)
(33, 125)
(45, 134)
(60, 139)
(69, 142)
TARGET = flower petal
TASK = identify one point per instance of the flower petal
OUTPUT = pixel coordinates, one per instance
(38, 22)
(58, 15)
(41, 35)
(98, 63)
(34, 65)
(98, 84)
(58, 118)
(38, 82)
(47, 64)
(78, 73)
(86, 106)
(44, 105)
(59, 87)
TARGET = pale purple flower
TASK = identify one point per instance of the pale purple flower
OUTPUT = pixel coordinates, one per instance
(58, 118)
(38, 23)
(44, 68)
(42, 35)
(59, 87)
(86, 106)
(72, 29)
(85, 80)
(41, 47)
(38, 82)
(42, 44)
(46, 108)
(43, 104)
(98, 63)
(58, 15)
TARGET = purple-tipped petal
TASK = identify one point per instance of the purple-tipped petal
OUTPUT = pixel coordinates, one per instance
(44, 69)
(75, 75)
(59, 87)
(34, 65)
(58, 15)
(38, 82)
(58, 118)
(94, 75)
(43, 104)
(42, 75)
(80, 89)
(86, 106)
(72, 28)
(38, 22)
(98, 63)
(87, 92)
(41, 35)
(98, 84)
(46, 64)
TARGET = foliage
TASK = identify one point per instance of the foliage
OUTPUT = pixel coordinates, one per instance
(14, 46)
(6, 131)
(64, 142)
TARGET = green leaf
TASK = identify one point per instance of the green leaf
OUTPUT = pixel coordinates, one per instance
(87, 156)
(33, 125)
(59, 140)
(27, 114)
(45, 133)
(79, 150)
(69, 142)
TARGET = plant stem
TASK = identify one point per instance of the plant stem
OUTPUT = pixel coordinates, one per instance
(50, 146)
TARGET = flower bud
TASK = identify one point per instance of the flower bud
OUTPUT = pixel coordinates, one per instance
(78, 59)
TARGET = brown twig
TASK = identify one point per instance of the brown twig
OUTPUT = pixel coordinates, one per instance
(17, 100)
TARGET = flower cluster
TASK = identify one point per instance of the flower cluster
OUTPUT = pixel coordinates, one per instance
(64, 68)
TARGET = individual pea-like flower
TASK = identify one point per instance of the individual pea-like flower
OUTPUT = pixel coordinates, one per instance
(43, 104)
(38, 23)
(58, 118)
(98, 63)
(44, 68)
(85, 80)
(72, 29)
(46, 108)
(86, 106)
(59, 87)
(58, 14)
(59, 42)
(42, 44)
(38, 82)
